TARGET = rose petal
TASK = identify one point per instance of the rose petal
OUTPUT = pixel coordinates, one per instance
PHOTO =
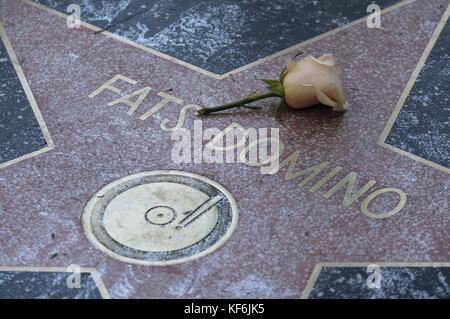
(324, 99)
(312, 81)
(328, 59)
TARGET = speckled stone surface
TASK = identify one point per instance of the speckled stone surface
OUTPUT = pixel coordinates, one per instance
(219, 36)
(45, 285)
(395, 283)
(20, 133)
(423, 125)
(284, 230)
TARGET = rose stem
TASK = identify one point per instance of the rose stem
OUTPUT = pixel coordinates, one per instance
(240, 103)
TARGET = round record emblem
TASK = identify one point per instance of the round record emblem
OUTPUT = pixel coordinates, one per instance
(160, 217)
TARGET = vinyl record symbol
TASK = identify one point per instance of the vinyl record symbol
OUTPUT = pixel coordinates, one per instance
(160, 217)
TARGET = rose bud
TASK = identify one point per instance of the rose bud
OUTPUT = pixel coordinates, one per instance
(301, 84)
(311, 81)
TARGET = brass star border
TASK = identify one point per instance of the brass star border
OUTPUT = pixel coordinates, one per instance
(31, 100)
(94, 274)
(206, 72)
(319, 266)
(405, 94)
(393, 117)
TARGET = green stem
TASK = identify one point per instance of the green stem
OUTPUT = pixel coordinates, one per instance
(247, 100)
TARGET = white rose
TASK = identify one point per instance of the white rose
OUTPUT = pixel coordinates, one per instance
(301, 84)
(311, 81)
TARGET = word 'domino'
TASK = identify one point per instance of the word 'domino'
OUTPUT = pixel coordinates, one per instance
(320, 174)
